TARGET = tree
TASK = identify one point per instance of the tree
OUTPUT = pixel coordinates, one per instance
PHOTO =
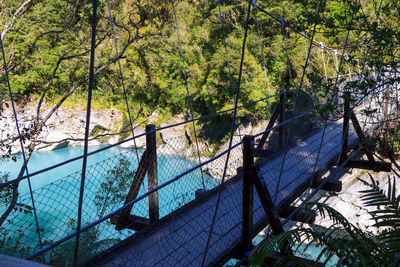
(61, 73)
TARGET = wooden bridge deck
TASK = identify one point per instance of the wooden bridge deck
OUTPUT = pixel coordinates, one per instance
(179, 239)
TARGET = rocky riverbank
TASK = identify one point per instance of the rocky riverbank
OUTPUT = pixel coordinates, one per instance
(66, 128)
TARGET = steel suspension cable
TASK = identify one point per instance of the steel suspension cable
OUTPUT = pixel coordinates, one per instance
(262, 54)
(125, 95)
(295, 104)
(231, 135)
(323, 60)
(396, 13)
(305, 43)
(367, 52)
(289, 26)
(188, 94)
(227, 54)
(138, 136)
(369, 43)
(86, 143)
(25, 163)
(336, 61)
(226, 48)
(122, 79)
(305, 49)
(336, 81)
(287, 54)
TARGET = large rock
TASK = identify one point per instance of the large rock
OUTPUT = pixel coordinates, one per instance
(54, 140)
(65, 123)
(140, 142)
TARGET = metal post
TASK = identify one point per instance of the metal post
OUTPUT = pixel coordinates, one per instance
(247, 192)
(152, 174)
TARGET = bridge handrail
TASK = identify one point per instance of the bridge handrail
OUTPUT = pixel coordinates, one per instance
(164, 128)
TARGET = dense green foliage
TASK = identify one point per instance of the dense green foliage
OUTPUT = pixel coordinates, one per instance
(48, 47)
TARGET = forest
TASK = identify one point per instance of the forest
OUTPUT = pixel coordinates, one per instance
(47, 47)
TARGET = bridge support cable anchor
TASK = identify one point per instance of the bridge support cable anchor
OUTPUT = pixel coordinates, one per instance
(147, 164)
(250, 179)
(371, 163)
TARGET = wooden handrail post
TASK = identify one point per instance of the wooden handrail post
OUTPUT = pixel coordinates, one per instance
(247, 193)
(345, 133)
(152, 174)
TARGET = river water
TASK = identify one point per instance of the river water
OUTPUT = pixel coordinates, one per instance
(108, 178)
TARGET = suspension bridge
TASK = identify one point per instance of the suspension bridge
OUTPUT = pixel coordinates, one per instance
(206, 223)
(180, 238)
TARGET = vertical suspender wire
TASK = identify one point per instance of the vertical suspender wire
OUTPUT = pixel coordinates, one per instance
(305, 43)
(226, 49)
(25, 164)
(227, 55)
(366, 55)
(231, 137)
(336, 81)
(123, 87)
(85, 148)
(262, 55)
(295, 104)
(287, 57)
(188, 94)
(376, 20)
(348, 66)
(394, 21)
(336, 61)
(122, 79)
(323, 60)
(394, 57)
(305, 49)
(396, 13)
